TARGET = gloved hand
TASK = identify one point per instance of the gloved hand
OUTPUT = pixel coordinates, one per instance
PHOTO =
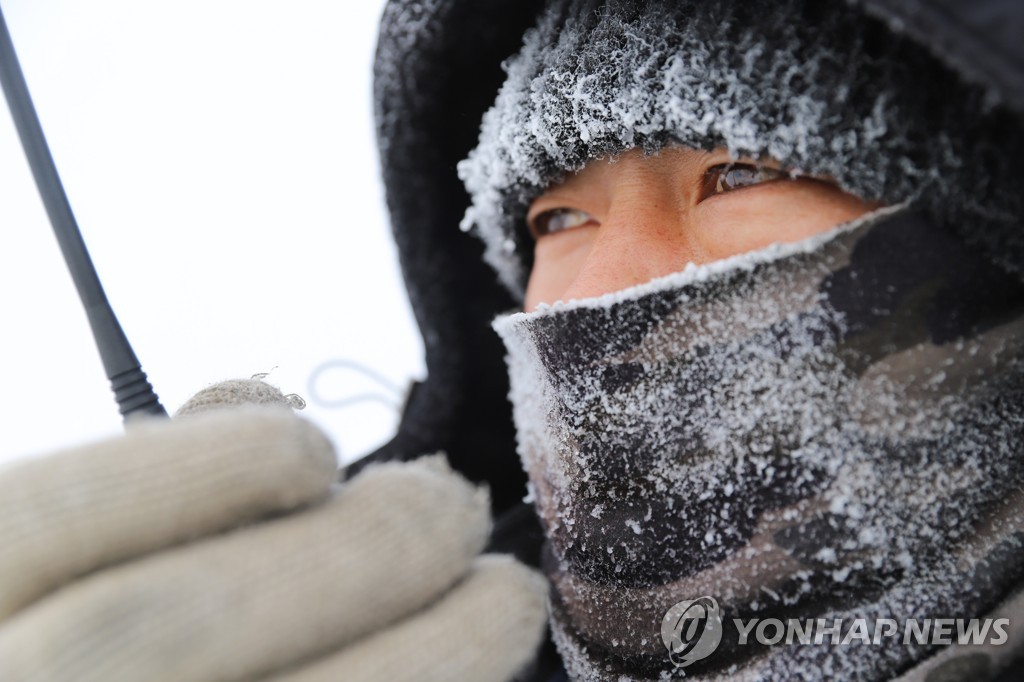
(218, 547)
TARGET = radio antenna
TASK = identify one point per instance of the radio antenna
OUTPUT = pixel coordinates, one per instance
(132, 389)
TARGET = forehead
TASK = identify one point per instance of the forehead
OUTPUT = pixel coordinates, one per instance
(670, 161)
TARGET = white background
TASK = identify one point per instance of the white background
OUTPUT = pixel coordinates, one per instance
(219, 157)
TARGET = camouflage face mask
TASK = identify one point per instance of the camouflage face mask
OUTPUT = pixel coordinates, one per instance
(828, 429)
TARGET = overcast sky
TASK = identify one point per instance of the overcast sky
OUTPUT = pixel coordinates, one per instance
(219, 158)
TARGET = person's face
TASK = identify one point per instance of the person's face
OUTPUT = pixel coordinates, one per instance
(616, 224)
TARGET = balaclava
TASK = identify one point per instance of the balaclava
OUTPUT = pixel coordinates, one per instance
(823, 431)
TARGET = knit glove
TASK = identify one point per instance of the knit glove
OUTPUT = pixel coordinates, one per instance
(218, 546)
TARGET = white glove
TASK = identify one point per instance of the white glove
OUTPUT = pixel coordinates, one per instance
(217, 547)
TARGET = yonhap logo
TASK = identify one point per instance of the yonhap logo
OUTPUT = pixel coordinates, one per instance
(692, 630)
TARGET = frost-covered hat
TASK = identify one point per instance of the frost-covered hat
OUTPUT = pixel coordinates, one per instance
(814, 85)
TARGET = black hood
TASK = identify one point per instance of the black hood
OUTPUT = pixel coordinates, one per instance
(438, 68)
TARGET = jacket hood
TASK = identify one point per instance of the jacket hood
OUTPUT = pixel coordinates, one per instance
(438, 68)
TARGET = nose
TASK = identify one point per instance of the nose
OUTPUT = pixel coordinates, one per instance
(643, 235)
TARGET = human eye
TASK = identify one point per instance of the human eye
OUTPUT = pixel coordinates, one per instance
(557, 220)
(727, 177)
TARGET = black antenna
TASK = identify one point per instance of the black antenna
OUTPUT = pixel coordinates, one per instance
(132, 390)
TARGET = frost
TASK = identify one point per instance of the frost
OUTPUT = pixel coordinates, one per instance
(739, 431)
(595, 79)
(870, 536)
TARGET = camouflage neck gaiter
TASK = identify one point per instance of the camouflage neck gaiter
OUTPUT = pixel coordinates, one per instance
(827, 430)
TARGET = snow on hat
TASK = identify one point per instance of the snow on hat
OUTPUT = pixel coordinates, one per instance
(815, 86)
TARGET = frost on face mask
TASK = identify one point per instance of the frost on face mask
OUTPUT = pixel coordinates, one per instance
(812, 85)
(827, 428)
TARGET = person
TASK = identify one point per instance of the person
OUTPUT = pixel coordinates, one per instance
(757, 279)
(770, 258)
